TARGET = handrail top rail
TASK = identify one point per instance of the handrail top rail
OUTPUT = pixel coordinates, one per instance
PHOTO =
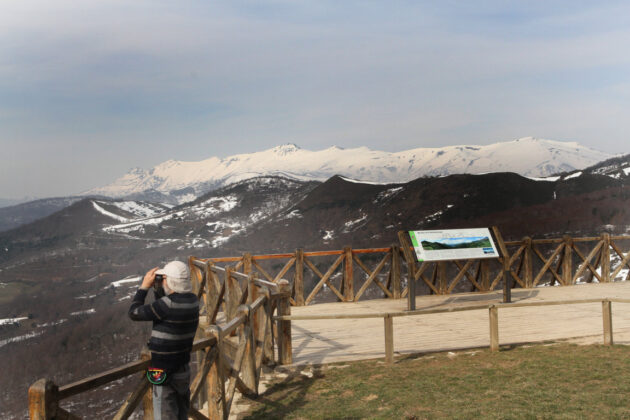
(395, 314)
(199, 261)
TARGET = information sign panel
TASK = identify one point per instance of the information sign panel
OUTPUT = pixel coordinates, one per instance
(453, 244)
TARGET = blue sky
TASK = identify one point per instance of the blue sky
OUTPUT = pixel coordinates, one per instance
(89, 89)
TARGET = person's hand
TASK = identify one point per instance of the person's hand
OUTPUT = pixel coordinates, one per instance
(149, 278)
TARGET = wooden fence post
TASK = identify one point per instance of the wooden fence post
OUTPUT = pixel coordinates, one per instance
(268, 340)
(147, 399)
(233, 292)
(247, 263)
(605, 260)
(395, 271)
(348, 275)
(527, 262)
(494, 328)
(607, 316)
(298, 280)
(284, 327)
(43, 400)
(389, 339)
(567, 261)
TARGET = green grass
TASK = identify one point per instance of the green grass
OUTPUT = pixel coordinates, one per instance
(561, 381)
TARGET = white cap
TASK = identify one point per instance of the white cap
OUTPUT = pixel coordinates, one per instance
(177, 276)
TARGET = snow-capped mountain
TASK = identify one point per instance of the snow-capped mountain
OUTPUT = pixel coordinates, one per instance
(184, 181)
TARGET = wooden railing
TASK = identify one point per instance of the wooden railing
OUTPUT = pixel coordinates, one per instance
(530, 263)
(493, 314)
(230, 353)
(232, 349)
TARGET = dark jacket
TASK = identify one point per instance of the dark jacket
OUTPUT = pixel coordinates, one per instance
(175, 318)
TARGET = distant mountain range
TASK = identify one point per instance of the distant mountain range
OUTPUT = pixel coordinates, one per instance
(178, 182)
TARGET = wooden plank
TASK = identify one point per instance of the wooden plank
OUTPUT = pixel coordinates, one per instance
(249, 376)
(298, 280)
(547, 263)
(324, 278)
(66, 415)
(215, 379)
(389, 339)
(284, 270)
(262, 271)
(132, 401)
(459, 275)
(527, 262)
(322, 253)
(624, 262)
(436, 311)
(371, 277)
(586, 262)
(284, 332)
(617, 249)
(371, 250)
(394, 272)
(103, 378)
(605, 260)
(233, 375)
(196, 415)
(567, 261)
(411, 269)
(507, 283)
(197, 383)
(147, 399)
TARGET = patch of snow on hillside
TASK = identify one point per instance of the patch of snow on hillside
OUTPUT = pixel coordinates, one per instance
(383, 195)
(356, 181)
(575, 175)
(434, 216)
(626, 171)
(294, 214)
(186, 198)
(215, 205)
(138, 209)
(329, 234)
(547, 179)
(108, 213)
(352, 223)
(8, 321)
(20, 338)
(118, 283)
(139, 225)
(200, 243)
(85, 312)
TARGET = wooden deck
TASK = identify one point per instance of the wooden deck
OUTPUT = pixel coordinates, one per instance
(327, 341)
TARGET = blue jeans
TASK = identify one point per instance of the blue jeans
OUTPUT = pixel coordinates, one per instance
(172, 401)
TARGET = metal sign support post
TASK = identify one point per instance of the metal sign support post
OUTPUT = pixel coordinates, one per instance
(507, 284)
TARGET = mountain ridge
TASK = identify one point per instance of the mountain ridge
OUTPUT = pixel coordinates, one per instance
(182, 181)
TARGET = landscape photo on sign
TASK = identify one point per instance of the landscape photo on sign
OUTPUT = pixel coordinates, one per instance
(452, 244)
(456, 243)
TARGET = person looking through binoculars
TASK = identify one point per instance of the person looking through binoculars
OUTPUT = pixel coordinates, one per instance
(175, 316)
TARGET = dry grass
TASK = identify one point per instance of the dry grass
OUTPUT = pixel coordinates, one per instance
(564, 381)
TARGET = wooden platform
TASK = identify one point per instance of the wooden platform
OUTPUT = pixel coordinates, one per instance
(327, 341)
